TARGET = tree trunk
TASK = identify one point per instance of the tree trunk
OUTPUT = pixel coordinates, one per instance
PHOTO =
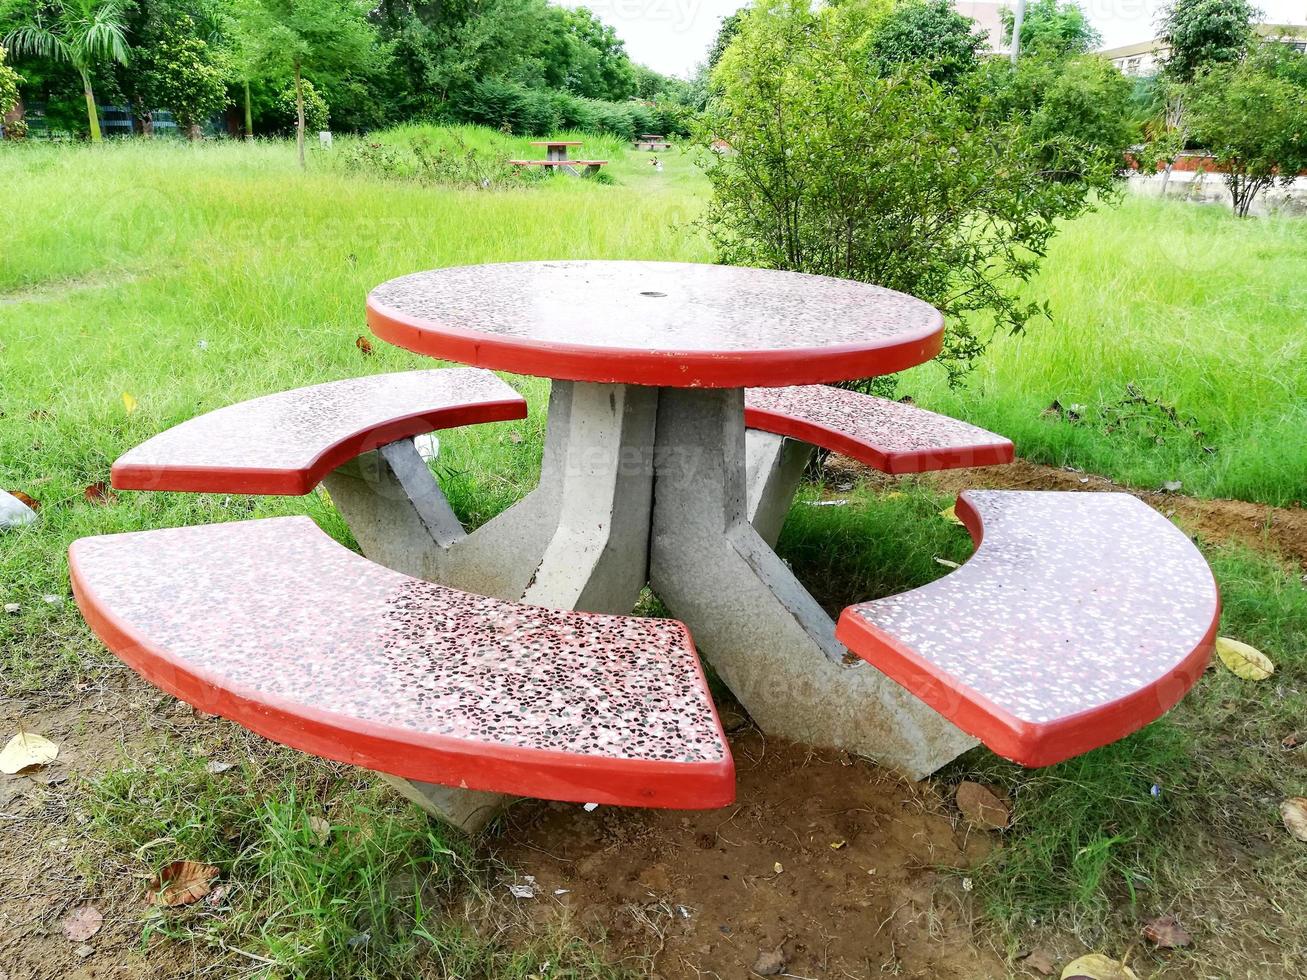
(92, 117)
(249, 116)
(1166, 177)
(193, 132)
(299, 115)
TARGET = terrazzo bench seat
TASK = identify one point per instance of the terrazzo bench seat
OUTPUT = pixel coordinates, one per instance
(890, 436)
(1080, 618)
(591, 166)
(285, 443)
(274, 625)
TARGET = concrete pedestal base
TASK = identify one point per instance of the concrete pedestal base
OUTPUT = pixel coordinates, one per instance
(661, 486)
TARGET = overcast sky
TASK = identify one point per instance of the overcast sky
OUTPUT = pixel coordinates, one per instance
(672, 36)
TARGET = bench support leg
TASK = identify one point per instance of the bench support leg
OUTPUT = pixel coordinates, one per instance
(763, 633)
(395, 508)
(467, 809)
(580, 539)
(774, 469)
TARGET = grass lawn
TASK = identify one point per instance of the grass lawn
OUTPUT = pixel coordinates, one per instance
(190, 277)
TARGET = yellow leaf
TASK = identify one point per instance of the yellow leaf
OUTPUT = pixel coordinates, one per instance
(24, 750)
(950, 514)
(1244, 661)
(1096, 966)
(129, 402)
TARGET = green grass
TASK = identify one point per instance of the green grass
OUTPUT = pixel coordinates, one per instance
(1196, 309)
(323, 871)
(1094, 849)
(191, 277)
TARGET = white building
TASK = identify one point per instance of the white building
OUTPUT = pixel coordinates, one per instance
(1145, 57)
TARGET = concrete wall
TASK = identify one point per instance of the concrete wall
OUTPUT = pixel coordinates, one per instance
(1209, 188)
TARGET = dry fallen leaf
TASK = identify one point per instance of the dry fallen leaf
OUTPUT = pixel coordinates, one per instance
(98, 493)
(182, 883)
(24, 750)
(1293, 812)
(1096, 966)
(364, 345)
(129, 402)
(83, 923)
(981, 806)
(1040, 961)
(24, 498)
(1244, 661)
(770, 962)
(950, 514)
(1166, 932)
(321, 828)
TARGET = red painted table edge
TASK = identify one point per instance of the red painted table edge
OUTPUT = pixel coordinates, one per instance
(668, 369)
(887, 461)
(546, 774)
(301, 480)
(1029, 744)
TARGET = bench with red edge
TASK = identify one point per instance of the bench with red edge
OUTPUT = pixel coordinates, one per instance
(894, 437)
(274, 625)
(591, 166)
(1080, 618)
(287, 442)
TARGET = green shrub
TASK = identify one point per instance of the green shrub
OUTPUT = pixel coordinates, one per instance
(949, 192)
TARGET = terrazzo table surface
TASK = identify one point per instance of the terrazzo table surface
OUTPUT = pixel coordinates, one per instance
(668, 324)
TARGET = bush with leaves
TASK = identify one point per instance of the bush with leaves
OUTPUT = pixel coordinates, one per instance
(1052, 28)
(178, 72)
(948, 192)
(1252, 117)
(929, 32)
(317, 114)
(8, 97)
(1200, 34)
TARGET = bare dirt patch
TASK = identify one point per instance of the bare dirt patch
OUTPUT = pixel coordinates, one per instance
(1282, 530)
(823, 865)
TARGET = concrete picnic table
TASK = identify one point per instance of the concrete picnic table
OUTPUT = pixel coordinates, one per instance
(556, 157)
(555, 149)
(644, 472)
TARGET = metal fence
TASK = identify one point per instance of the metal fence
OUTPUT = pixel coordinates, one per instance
(115, 121)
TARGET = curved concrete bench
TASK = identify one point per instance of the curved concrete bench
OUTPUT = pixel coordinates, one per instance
(890, 436)
(274, 625)
(1080, 618)
(287, 442)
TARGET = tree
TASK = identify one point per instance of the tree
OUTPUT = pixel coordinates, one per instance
(1203, 33)
(930, 32)
(936, 190)
(1253, 121)
(78, 32)
(8, 89)
(290, 37)
(1052, 28)
(179, 72)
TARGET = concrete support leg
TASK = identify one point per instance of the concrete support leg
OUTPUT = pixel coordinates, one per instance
(598, 557)
(763, 633)
(774, 469)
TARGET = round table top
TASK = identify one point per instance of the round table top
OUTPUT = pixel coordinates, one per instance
(656, 323)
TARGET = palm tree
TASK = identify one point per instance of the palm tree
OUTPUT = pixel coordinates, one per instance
(79, 32)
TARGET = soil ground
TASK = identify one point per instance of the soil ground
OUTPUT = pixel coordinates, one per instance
(823, 867)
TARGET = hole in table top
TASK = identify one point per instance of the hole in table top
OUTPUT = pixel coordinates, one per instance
(651, 292)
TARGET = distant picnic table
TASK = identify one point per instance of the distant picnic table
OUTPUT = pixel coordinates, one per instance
(556, 157)
(653, 142)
